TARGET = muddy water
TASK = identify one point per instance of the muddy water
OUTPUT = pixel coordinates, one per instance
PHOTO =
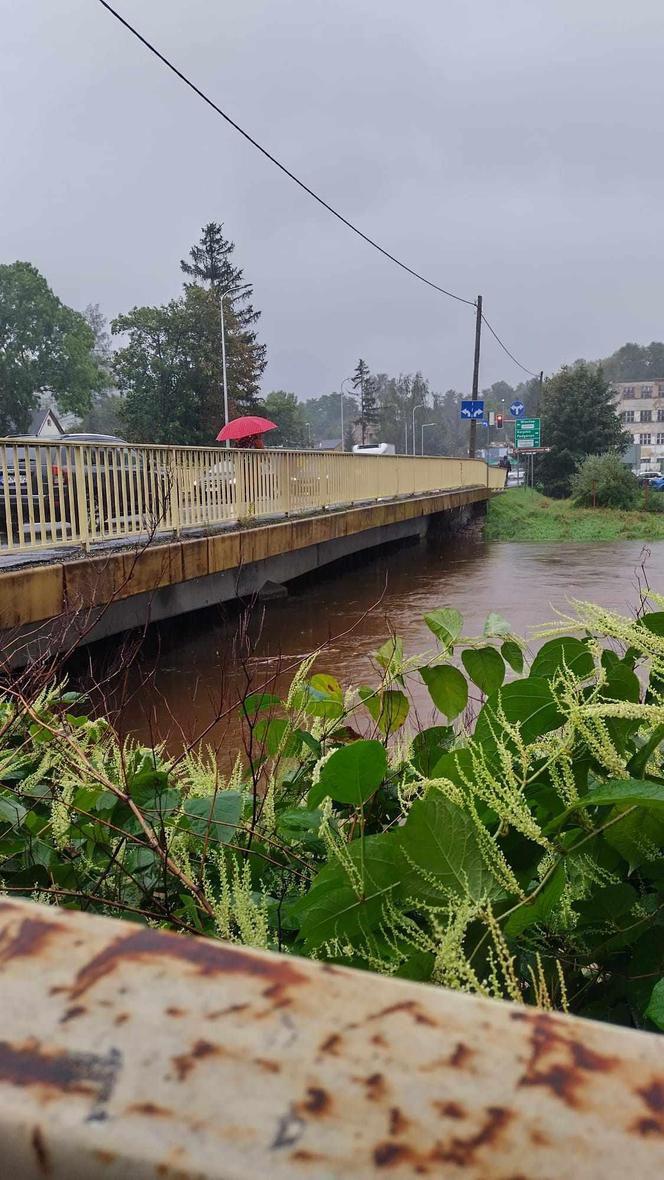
(194, 668)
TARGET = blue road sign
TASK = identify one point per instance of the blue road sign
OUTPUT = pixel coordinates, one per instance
(516, 409)
(472, 409)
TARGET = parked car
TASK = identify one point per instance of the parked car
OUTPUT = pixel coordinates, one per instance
(19, 490)
(39, 486)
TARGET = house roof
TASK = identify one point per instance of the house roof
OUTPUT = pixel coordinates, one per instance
(329, 444)
(39, 418)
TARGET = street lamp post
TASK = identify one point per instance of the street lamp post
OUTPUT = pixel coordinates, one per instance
(229, 291)
(423, 428)
(419, 406)
(223, 364)
(308, 426)
(341, 395)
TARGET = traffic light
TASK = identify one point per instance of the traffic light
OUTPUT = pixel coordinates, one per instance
(499, 421)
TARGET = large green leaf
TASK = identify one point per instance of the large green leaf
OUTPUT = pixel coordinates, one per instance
(11, 811)
(276, 734)
(447, 688)
(428, 746)
(391, 655)
(441, 853)
(215, 816)
(389, 709)
(564, 651)
(513, 654)
(653, 621)
(486, 668)
(638, 835)
(351, 774)
(337, 906)
(257, 702)
(655, 1009)
(321, 696)
(495, 624)
(631, 790)
(528, 702)
(446, 624)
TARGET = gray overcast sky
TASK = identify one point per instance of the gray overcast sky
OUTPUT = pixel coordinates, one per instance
(508, 147)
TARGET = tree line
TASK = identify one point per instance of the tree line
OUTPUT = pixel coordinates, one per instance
(163, 381)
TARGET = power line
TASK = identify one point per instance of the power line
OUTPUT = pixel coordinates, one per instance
(301, 184)
(273, 159)
(506, 349)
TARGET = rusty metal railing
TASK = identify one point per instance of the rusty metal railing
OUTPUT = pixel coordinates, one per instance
(62, 493)
(128, 1052)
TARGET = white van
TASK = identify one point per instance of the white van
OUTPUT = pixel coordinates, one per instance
(374, 449)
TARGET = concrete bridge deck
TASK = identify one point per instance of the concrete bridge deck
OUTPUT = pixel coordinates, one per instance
(82, 598)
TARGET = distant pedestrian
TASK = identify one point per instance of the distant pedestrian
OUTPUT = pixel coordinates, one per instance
(255, 442)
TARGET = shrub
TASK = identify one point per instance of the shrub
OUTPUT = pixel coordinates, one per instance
(516, 853)
(615, 485)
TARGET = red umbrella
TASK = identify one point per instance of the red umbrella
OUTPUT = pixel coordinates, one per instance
(239, 428)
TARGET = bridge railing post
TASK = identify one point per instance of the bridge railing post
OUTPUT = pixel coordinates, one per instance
(174, 485)
(84, 505)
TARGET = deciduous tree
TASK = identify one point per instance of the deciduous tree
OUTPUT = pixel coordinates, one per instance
(44, 345)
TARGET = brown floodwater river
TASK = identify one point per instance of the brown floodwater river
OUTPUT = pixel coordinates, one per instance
(192, 669)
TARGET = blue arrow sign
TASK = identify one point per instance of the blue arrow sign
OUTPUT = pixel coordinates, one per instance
(472, 409)
(516, 409)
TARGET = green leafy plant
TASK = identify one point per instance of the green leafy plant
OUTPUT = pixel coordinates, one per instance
(606, 481)
(513, 849)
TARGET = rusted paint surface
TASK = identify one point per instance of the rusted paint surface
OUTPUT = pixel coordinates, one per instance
(129, 1052)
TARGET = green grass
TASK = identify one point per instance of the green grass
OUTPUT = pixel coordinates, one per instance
(524, 515)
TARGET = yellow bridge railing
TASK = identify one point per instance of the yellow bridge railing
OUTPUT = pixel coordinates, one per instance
(55, 494)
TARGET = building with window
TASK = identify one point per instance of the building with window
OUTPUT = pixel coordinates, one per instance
(640, 406)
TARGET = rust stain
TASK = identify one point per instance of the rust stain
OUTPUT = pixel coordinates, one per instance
(461, 1056)
(318, 1101)
(411, 1007)
(379, 1041)
(560, 1062)
(266, 1064)
(30, 938)
(175, 1012)
(399, 1124)
(43, 1161)
(105, 1157)
(185, 1062)
(121, 1018)
(460, 1151)
(306, 1157)
(150, 1109)
(205, 956)
(59, 1072)
(652, 1095)
(72, 1013)
(387, 1154)
(331, 1044)
(376, 1087)
(232, 1008)
(450, 1110)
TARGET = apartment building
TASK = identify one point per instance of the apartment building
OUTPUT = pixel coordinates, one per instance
(640, 406)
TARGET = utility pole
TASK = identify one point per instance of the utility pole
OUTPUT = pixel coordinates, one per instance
(476, 377)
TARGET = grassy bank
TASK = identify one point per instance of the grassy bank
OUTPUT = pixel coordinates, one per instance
(524, 515)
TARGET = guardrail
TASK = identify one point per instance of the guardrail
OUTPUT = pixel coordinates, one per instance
(54, 494)
(126, 1051)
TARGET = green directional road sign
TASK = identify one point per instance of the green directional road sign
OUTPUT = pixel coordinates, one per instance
(527, 432)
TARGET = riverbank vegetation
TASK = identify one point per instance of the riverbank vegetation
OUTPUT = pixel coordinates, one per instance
(513, 848)
(522, 514)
